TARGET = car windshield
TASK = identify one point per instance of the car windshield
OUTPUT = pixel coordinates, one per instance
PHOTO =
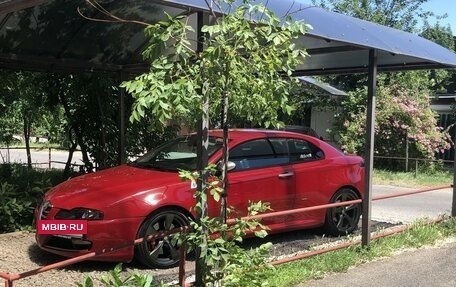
(177, 154)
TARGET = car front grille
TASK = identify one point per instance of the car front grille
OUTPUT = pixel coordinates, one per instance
(67, 243)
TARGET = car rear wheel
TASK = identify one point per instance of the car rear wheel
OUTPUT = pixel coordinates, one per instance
(162, 252)
(343, 220)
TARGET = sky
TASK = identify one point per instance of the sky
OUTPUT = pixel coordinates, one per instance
(440, 7)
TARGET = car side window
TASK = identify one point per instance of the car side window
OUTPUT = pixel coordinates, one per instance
(256, 154)
(301, 150)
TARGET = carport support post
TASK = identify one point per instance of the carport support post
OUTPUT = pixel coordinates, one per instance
(202, 155)
(121, 148)
(369, 151)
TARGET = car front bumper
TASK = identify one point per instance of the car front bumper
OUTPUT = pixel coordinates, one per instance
(108, 240)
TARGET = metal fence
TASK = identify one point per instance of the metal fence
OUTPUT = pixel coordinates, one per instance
(410, 164)
(45, 158)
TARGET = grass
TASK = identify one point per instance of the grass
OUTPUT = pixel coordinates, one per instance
(412, 179)
(421, 234)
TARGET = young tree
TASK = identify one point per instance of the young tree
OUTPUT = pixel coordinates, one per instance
(244, 71)
(26, 104)
(249, 64)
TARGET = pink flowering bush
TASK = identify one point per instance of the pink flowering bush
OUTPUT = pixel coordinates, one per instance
(401, 114)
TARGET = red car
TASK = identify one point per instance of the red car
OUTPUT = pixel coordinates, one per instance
(286, 169)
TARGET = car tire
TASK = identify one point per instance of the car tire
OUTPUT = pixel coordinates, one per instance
(343, 220)
(160, 253)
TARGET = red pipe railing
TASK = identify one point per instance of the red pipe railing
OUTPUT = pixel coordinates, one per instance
(403, 193)
(9, 278)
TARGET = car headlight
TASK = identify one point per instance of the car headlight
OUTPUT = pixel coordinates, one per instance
(80, 213)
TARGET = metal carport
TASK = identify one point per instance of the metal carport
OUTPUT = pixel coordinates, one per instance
(50, 36)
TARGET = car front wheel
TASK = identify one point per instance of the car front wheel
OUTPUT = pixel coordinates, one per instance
(343, 220)
(162, 252)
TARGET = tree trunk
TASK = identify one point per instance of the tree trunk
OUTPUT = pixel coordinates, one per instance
(85, 157)
(73, 147)
(27, 129)
(77, 132)
(102, 155)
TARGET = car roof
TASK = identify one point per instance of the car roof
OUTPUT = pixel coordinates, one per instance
(244, 134)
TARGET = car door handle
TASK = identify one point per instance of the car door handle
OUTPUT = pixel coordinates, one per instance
(286, 174)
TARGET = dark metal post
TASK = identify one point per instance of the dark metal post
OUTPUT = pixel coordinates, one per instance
(225, 156)
(121, 147)
(369, 149)
(49, 158)
(406, 152)
(453, 205)
(202, 155)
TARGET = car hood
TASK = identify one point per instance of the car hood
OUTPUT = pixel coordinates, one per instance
(108, 187)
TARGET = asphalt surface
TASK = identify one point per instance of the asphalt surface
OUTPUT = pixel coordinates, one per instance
(406, 209)
(433, 266)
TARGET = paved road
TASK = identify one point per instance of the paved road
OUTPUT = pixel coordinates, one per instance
(408, 208)
(419, 268)
(40, 158)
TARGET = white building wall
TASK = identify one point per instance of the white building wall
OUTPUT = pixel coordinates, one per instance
(322, 120)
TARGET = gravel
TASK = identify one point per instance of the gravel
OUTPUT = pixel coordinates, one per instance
(19, 253)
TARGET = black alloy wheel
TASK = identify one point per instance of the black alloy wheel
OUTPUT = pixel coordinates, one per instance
(343, 220)
(163, 252)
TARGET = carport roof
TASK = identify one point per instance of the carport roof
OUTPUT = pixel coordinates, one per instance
(50, 35)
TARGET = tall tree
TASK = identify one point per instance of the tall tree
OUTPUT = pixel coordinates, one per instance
(400, 14)
(404, 118)
(26, 102)
(245, 70)
(413, 87)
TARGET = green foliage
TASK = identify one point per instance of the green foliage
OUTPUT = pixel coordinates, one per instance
(398, 94)
(403, 114)
(13, 209)
(399, 14)
(10, 122)
(418, 179)
(251, 64)
(89, 109)
(225, 262)
(116, 279)
(25, 106)
(90, 105)
(439, 34)
(20, 190)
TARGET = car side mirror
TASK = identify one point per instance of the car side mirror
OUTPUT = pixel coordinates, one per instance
(231, 165)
